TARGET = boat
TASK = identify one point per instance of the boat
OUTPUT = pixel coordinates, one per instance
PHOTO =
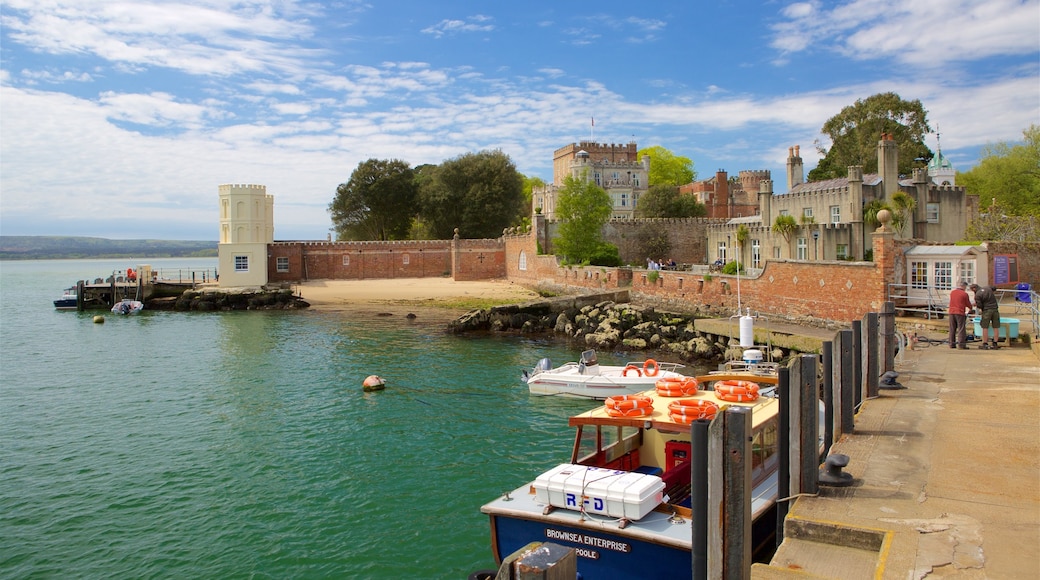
(587, 379)
(68, 300)
(623, 499)
(127, 306)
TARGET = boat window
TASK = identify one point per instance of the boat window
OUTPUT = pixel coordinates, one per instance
(763, 450)
(605, 446)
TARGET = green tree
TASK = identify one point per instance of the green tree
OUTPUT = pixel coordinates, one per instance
(1008, 175)
(903, 205)
(856, 130)
(667, 168)
(743, 235)
(582, 208)
(530, 183)
(665, 201)
(376, 203)
(870, 211)
(785, 225)
(479, 193)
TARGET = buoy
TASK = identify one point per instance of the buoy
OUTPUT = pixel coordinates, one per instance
(99, 319)
(373, 383)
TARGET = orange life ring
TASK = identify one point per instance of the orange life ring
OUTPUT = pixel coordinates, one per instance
(676, 386)
(631, 367)
(651, 364)
(736, 391)
(686, 411)
(626, 402)
(639, 412)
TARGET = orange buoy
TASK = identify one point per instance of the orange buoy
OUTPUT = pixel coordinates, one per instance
(650, 367)
(631, 367)
(737, 391)
(686, 411)
(676, 386)
(373, 383)
(625, 402)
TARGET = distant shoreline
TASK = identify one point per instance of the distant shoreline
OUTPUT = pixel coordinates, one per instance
(87, 248)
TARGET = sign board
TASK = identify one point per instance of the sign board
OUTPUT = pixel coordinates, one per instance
(1005, 269)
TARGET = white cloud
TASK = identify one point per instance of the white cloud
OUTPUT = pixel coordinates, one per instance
(449, 27)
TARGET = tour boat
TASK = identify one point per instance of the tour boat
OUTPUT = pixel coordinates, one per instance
(67, 300)
(623, 500)
(587, 379)
(127, 306)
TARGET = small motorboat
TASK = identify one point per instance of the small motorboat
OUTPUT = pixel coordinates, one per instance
(128, 307)
(587, 379)
(67, 300)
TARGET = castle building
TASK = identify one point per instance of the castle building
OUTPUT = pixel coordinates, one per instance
(829, 222)
(615, 168)
(246, 228)
(723, 197)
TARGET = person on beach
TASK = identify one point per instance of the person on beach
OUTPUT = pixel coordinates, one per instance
(986, 302)
(960, 306)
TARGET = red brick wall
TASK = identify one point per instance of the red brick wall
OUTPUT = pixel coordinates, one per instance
(479, 259)
(1028, 254)
(359, 260)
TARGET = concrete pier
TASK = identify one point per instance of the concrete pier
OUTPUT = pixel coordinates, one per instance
(947, 477)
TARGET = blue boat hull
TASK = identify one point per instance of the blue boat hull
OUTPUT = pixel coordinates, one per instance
(600, 555)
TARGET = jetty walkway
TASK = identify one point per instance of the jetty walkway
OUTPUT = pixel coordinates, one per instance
(947, 477)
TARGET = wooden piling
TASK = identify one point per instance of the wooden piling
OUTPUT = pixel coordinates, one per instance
(870, 333)
(729, 488)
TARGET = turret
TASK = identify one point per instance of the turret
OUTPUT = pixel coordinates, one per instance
(888, 165)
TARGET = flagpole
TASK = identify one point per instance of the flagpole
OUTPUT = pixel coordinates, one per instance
(592, 130)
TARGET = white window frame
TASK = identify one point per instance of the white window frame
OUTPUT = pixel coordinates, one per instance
(241, 263)
(282, 264)
(721, 252)
(835, 214)
(756, 254)
(841, 251)
(807, 212)
(522, 263)
(932, 213)
(346, 259)
(943, 275)
(803, 248)
(918, 274)
(967, 271)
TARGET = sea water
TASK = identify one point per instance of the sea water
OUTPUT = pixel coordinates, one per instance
(240, 444)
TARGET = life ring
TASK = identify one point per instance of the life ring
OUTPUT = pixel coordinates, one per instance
(736, 391)
(686, 411)
(676, 386)
(631, 367)
(638, 412)
(626, 402)
(650, 367)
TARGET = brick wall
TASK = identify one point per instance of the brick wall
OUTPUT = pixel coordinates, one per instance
(359, 260)
(478, 259)
(1028, 254)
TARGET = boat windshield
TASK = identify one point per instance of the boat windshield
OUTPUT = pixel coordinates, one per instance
(607, 446)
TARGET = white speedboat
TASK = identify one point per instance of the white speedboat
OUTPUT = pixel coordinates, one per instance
(68, 300)
(127, 307)
(587, 379)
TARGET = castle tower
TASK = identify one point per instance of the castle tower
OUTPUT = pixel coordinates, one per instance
(939, 168)
(795, 170)
(246, 227)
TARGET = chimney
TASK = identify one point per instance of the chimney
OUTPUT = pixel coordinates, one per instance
(888, 165)
(795, 175)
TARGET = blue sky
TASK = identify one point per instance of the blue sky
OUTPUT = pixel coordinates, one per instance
(120, 118)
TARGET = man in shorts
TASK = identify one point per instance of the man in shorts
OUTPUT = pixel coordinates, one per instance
(986, 302)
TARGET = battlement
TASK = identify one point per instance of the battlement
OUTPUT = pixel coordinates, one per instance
(243, 188)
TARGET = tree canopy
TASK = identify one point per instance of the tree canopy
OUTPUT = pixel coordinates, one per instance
(667, 168)
(1008, 176)
(376, 203)
(479, 193)
(583, 208)
(856, 130)
(665, 201)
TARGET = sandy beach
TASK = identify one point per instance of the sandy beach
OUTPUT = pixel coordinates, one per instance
(429, 292)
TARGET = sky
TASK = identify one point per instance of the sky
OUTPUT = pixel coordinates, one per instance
(121, 118)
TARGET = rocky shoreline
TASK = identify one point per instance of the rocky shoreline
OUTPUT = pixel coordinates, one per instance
(605, 325)
(212, 300)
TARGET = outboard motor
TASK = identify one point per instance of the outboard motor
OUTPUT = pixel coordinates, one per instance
(543, 365)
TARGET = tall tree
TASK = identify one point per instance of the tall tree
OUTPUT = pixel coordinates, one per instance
(583, 208)
(665, 201)
(479, 193)
(667, 168)
(856, 130)
(376, 203)
(1008, 175)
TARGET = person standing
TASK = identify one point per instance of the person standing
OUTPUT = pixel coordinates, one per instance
(960, 305)
(987, 303)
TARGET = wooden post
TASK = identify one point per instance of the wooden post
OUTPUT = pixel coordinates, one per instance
(80, 286)
(857, 362)
(828, 396)
(699, 461)
(871, 356)
(729, 495)
(547, 561)
(808, 417)
(783, 477)
(887, 331)
(847, 384)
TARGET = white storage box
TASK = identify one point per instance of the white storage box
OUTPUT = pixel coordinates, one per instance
(619, 494)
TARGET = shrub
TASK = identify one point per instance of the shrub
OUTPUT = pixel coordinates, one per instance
(732, 267)
(605, 255)
(652, 276)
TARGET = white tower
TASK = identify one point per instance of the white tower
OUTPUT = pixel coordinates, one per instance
(246, 227)
(940, 170)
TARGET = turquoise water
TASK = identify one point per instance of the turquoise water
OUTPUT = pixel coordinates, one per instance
(240, 444)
